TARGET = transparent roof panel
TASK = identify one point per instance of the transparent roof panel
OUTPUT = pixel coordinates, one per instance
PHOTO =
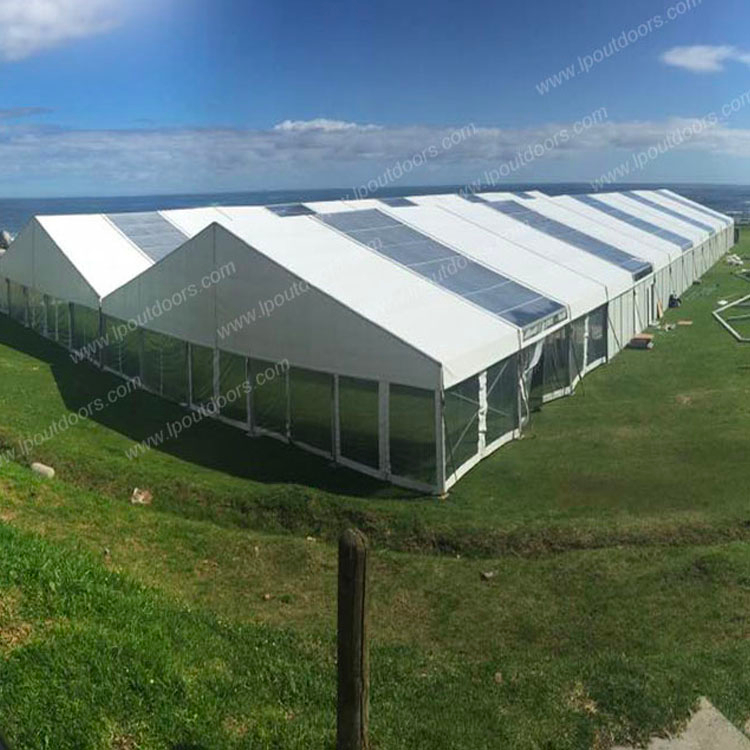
(696, 207)
(636, 266)
(445, 267)
(397, 202)
(669, 211)
(646, 226)
(473, 198)
(291, 209)
(525, 196)
(150, 231)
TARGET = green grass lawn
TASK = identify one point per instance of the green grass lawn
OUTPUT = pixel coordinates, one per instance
(617, 530)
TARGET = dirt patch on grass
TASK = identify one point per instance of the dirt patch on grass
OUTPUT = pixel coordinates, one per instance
(14, 632)
(235, 727)
(580, 701)
(684, 399)
(123, 742)
(14, 636)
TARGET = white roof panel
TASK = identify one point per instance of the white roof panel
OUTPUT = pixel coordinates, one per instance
(655, 216)
(545, 248)
(714, 222)
(658, 257)
(102, 255)
(643, 237)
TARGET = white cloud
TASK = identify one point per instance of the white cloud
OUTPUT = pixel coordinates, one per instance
(111, 162)
(704, 58)
(30, 26)
(321, 124)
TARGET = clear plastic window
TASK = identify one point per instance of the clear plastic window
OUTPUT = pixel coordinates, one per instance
(502, 398)
(461, 416)
(269, 397)
(112, 344)
(311, 405)
(556, 361)
(85, 330)
(50, 312)
(233, 386)
(412, 433)
(174, 369)
(17, 302)
(63, 323)
(577, 348)
(202, 373)
(130, 353)
(37, 315)
(359, 420)
(597, 335)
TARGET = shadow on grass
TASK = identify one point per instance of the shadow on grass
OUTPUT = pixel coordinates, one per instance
(208, 443)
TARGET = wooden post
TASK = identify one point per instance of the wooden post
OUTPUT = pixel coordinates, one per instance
(353, 647)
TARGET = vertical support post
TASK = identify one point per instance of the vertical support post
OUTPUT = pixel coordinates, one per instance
(353, 647)
(249, 396)
(190, 373)
(336, 417)
(384, 429)
(440, 450)
(217, 375)
(482, 413)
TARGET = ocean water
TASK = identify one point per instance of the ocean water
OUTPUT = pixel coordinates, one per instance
(16, 212)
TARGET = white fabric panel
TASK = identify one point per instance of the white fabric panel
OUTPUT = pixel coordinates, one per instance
(546, 248)
(681, 208)
(17, 263)
(170, 298)
(656, 256)
(102, 254)
(57, 275)
(194, 220)
(35, 261)
(621, 227)
(655, 216)
(666, 191)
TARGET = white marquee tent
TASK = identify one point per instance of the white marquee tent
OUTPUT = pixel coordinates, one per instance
(404, 337)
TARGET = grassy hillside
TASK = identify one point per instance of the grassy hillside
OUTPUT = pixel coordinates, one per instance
(645, 450)
(616, 531)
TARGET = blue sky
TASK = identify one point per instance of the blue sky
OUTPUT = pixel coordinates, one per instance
(103, 97)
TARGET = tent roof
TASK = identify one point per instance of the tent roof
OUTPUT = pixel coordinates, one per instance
(520, 277)
(103, 257)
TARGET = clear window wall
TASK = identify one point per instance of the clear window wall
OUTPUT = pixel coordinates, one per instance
(359, 420)
(85, 330)
(577, 348)
(461, 417)
(556, 361)
(597, 345)
(202, 366)
(36, 311)
(502, 399)
(17, 302)
(269, 397)
(311, 408)
(412, 438)
(233, 386)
